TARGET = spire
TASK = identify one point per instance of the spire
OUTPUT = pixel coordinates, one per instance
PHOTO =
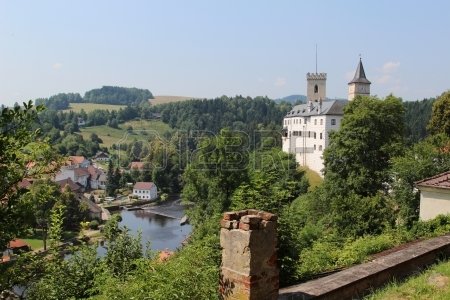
(360, 75)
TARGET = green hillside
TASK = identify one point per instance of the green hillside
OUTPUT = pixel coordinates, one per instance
(88, 107)
(142, 130)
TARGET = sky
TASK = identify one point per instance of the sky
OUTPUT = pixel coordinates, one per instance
(212, 48)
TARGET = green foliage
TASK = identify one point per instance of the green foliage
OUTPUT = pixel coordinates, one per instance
(359, 154)
(56, 224)
(424, 159)
(440, 118)
(68, 279)
(19, 146)
(60, 101)
(117, 95)
(93, 224)
(417, 116)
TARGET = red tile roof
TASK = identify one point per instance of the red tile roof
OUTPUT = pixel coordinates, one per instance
(137, 165)
(143, 185)
(438, 181)
(25, 183)
(81, 172)
(17, 243)
(76, 159)
(68, 182)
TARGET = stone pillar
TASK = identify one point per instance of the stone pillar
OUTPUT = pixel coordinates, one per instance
(249, 256)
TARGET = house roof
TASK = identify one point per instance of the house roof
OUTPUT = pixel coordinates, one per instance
(95, 173)
(25, 183)
(102, 154)
(77, 159)
(360, 75)
(143, 185)
(81, 172)
(68, 182)
(17, 243)
(329, 107)
(441, 181)
(94, 208)
(137, 165)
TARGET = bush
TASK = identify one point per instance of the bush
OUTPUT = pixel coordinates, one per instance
(93, 225)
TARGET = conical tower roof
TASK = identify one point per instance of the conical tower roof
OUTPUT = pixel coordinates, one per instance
(360, 75)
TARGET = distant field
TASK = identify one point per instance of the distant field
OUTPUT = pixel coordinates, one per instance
(142, 130)
(168, 99)
(88, 107)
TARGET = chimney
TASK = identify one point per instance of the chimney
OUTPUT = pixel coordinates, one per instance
(249, 268)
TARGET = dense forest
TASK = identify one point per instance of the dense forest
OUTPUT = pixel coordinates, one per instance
(417, 116)
(105, 95)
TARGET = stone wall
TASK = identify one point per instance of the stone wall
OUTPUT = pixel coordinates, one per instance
(249, 255)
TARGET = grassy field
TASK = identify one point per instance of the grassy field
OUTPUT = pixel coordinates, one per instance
(142, 130)
(34, 243)
(313, 178)
(88, 107)
(168, 99)
(431, 284)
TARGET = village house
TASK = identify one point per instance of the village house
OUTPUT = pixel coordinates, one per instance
(78, 162)
(98, 178)
(434, 196)
(137, 165)
(74, 187)
(77, 175)
(145, 190)
(101, 156)
(307, 126)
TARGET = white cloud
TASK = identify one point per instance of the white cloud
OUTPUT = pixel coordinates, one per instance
(390, 67)
(57, 66)
(280, 81)
(387, 71)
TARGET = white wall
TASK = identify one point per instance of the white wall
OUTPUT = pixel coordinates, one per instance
(433, 202)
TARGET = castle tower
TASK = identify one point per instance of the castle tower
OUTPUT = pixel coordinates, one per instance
(359, 84)
(316, 86)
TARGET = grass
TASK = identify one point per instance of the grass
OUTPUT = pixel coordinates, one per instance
(433, 283)
(314, 178)
(169, 99)
(34, 243)
(142, 130)
(88, 107)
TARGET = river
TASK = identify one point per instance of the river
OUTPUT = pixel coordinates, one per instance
(159, 225)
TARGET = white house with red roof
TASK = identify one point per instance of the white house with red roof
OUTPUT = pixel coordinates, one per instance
(145, 190)
(78, 175)
(434, 196)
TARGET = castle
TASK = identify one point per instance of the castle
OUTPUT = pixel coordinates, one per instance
(307, 126)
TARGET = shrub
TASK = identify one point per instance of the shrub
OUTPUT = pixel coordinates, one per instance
(93, 225)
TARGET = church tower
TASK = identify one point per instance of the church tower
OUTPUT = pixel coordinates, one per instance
(359, 85)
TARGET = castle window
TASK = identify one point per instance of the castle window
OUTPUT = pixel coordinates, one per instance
(321, 121)
(320, 147)
(320, 135)
(314, 147)
(316, 89)
(333, 121)
(314, 135)
(299, 121)
(315, 121)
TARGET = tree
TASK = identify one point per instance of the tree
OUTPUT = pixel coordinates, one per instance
(424, 159)
(22, 154)
(440, 117)
(111, 186)
(42, 197)
(56, 224)
(359, 154)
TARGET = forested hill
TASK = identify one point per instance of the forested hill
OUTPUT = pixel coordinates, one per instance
(417, 116)
(117, 95)
(294, 99)
(237, 113)
(105, 95)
